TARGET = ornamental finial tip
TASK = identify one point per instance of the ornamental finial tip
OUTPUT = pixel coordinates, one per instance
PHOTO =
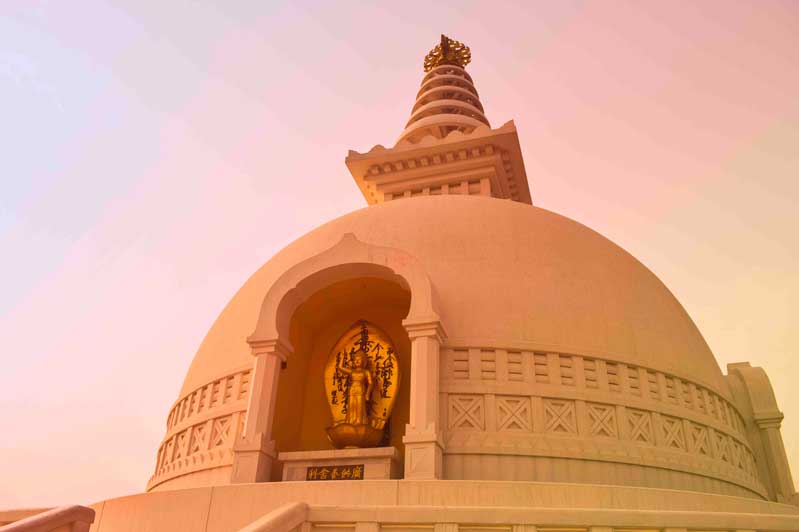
(449, 52)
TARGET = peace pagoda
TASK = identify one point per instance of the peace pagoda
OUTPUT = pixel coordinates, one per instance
(453, 359)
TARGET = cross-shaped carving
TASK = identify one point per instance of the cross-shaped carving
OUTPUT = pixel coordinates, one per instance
(197, 439)
(514, 413)
(701, 443)
(168, 448)
(603, 420)
(560, 416)
(640, 426)
(722, 447)
(672, 433)
(220, 431)
(736, 458)
(466, 412)
(180, 445)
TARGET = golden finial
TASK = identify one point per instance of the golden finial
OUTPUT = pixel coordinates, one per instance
(449, 52)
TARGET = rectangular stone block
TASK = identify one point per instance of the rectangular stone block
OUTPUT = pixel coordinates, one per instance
(379, 463)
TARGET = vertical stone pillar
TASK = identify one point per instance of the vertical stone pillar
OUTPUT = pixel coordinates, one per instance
(752, 390)
(776, 458)
(423, 442)
(254, 452)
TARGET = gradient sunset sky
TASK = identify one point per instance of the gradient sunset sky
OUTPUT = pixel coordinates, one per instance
(155, 154)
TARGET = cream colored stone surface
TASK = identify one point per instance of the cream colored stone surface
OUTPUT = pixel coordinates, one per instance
(237, 507)
(286, 518)
(175, 511)
(203, 424)
(447, 101)
(9, 516)
(380, 463)
(483, 162)
(474, 246)
(62, 519)
(571, 354)
(420, 504)
(754, 392)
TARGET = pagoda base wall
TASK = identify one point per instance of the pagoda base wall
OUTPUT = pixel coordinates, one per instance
(217, 476)
(454, 505)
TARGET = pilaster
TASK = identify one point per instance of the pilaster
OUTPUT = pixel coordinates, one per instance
(252, 459)
(424, 449)
(776, 458)
(255, 451)
(752, 389)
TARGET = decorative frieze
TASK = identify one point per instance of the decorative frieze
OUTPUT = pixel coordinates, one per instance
(201, 427)
(523, 394)
(201, 446)
(228, 389)
(592, 374)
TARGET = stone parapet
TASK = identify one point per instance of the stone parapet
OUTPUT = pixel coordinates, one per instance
(501, 403)
(201, 428)
(63, 519)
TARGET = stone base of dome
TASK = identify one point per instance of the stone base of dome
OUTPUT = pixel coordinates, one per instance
(424, 504)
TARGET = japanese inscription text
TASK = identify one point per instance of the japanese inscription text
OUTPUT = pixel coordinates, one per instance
(339, 472)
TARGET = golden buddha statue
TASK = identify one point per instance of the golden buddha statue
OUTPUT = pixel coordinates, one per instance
(361, 383)
(360, 389)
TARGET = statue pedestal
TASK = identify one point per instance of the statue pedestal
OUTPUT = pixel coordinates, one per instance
(374, 463)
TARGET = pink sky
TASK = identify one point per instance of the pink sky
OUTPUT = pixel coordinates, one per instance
(155, 154)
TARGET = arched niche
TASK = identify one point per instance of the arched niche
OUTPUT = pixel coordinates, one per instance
(303, 314)
(301, 409)
(349, 259)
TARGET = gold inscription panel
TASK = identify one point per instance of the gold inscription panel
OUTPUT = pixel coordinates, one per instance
(341, 472)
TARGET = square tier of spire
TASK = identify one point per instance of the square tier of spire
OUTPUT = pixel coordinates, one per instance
(485, 162)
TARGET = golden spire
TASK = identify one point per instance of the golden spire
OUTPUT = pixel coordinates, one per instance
(449, 52)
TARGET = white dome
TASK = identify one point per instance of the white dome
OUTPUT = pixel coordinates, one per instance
(507, 275)
(565, 359)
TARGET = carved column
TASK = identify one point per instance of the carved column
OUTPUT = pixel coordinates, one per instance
(423, 442)
(254, 452)
(753, 392)
(776, 458)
